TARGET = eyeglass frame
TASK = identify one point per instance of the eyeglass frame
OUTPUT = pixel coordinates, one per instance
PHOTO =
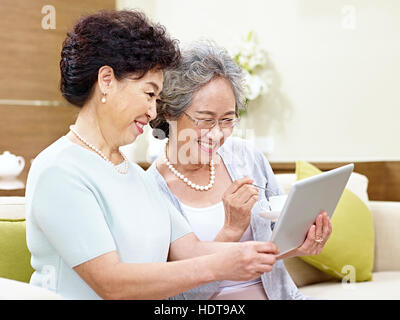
(196, 122)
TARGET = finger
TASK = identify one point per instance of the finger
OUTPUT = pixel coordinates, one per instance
(246, 188)
(238, 183)
(330, 226)
(313, 244)
(267, 259)
(266, 247)
(247, 206)
(310, 238)
(325, 228)
(309, 243)
(244, 193)
(318, 227)
(262, 268)
(241, 196)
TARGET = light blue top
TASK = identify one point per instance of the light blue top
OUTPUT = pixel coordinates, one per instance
(242, 159)
(79, 207)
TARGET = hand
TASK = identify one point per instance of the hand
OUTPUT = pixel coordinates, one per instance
(246, 260)
(238, 201)
(317, 236)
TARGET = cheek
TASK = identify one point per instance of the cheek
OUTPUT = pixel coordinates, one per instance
(133, 104)
(227, 134)
(182, 130)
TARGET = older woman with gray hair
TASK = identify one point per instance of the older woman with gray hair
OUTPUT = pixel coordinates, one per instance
(209, 176)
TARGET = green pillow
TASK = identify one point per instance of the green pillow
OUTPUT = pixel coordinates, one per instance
(349, 252)
(14, 254)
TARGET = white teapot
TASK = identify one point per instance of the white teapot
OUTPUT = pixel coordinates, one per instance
(10, 165)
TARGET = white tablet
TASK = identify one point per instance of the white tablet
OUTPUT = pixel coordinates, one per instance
(306, 199)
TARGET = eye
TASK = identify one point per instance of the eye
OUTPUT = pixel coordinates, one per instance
(151, 94)
(207, 120)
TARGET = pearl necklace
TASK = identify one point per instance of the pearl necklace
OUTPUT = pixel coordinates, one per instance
(186, 180)
(101, 154)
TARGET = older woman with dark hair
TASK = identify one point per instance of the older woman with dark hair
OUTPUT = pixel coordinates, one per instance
(97, 226)
(208, 176)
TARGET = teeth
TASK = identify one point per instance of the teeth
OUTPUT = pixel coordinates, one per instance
(139, 124)
(207, 145)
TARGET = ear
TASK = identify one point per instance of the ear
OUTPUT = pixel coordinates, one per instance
(105, 78)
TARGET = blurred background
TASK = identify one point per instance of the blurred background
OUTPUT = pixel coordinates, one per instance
(325, 89)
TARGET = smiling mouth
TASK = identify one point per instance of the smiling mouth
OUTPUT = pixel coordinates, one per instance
(205, 146)
(139, 125)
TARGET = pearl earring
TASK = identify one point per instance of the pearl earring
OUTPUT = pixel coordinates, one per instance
(104, 98)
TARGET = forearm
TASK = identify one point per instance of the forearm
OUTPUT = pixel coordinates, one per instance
(228, 235)
(210, 247)
(161, 280)
(189, 246)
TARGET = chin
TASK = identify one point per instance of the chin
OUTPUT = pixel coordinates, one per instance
(129, 139)
(205, 156)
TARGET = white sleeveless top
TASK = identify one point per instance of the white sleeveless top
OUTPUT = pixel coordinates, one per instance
(206, 223)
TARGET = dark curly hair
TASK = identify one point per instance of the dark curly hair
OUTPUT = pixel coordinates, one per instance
(124, 40)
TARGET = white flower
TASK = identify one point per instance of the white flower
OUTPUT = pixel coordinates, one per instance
(255, 86)
(258, 59)
(251, 58)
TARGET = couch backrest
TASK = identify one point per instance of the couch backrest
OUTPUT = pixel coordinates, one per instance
(12, 208)
(386, 217)
(14, 254)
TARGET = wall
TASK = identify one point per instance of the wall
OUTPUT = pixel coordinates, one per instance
(31, 40)
(337, 64)
(33, 113)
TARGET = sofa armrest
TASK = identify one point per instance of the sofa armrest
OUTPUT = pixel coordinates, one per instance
(386, 217)
(16, 290)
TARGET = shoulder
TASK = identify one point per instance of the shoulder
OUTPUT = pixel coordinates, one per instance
(51, 159)
(58, 165)
(155, 177)
(62, 153)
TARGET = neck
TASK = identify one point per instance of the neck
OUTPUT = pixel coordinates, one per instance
(88, 126)
(195, 169)
(174, 154)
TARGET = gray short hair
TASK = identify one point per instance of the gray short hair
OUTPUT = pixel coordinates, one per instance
(201, 62)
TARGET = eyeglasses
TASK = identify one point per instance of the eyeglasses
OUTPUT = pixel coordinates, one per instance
(208, 124)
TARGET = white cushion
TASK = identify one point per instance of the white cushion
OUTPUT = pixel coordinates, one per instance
(16, 290)
(384, 286)
(12, 207)
(286, 181)
(357, 184)
(386, 217)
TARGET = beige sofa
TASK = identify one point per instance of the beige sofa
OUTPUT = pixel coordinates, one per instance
(312, 282)
(13, 208)
(386, 271)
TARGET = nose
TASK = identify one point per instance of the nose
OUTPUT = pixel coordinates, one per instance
(152, 111)
(216, 133)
